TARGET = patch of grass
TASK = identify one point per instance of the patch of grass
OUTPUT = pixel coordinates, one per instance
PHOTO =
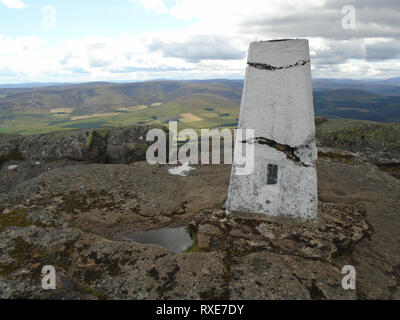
(195, 246)
(114, 269)
(337, 156)
(359, 135)
(96, 293)
(15, 218)
(21, 253)
(103, 133)
(73, 200)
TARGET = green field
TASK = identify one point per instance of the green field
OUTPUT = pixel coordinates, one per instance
(194, 104)
(223, 114)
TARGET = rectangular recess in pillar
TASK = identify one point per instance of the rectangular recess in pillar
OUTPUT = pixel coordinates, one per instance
(272, 174)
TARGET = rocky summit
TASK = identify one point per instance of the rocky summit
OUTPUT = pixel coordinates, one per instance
(73, 199)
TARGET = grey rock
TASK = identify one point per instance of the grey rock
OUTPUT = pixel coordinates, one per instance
(127, 144)
(70, 213)
(377, 142)
(9, 148)
(39, 153)
(26, 170)
(106, 144)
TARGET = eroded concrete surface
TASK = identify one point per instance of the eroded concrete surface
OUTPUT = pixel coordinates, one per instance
(277, 103)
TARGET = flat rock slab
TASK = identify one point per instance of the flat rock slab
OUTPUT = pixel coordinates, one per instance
(41, 222)
(107, 199)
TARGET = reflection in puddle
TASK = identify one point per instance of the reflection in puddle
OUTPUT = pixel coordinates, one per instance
(174, 239)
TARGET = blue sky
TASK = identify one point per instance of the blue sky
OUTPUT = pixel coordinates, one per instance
(122, 40)
(84, 18)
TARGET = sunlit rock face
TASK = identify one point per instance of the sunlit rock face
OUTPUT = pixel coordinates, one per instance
(277, 102)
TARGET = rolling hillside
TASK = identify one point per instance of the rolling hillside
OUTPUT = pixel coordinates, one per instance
(45, 109)
(194, 104)
(357, 104)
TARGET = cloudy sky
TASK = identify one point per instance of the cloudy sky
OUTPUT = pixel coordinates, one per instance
(120, 40)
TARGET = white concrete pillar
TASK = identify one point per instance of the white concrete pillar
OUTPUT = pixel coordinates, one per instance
(277, 102)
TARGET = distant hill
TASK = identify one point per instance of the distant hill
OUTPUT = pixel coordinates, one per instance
(194, 103)
(30, 85)
(389, 87)
(95, 97)
(357, 104)
(393, 80)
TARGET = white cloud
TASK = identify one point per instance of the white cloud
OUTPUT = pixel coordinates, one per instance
(129, 58)
(290, 18)
(235, 23)
(14, 4)
(215, 42)
(197, 48)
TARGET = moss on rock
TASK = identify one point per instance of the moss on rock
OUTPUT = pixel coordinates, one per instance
(14, 218)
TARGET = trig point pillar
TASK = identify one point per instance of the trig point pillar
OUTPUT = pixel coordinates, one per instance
(277, 102)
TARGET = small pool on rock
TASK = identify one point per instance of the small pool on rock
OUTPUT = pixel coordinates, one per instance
(173, 239)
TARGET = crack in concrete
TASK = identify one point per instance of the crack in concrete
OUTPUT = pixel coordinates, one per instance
(286, 149)
(264, 66)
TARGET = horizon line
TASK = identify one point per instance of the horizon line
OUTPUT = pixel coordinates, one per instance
(51, 83)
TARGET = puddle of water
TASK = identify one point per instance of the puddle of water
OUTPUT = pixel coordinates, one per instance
(174, 239)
